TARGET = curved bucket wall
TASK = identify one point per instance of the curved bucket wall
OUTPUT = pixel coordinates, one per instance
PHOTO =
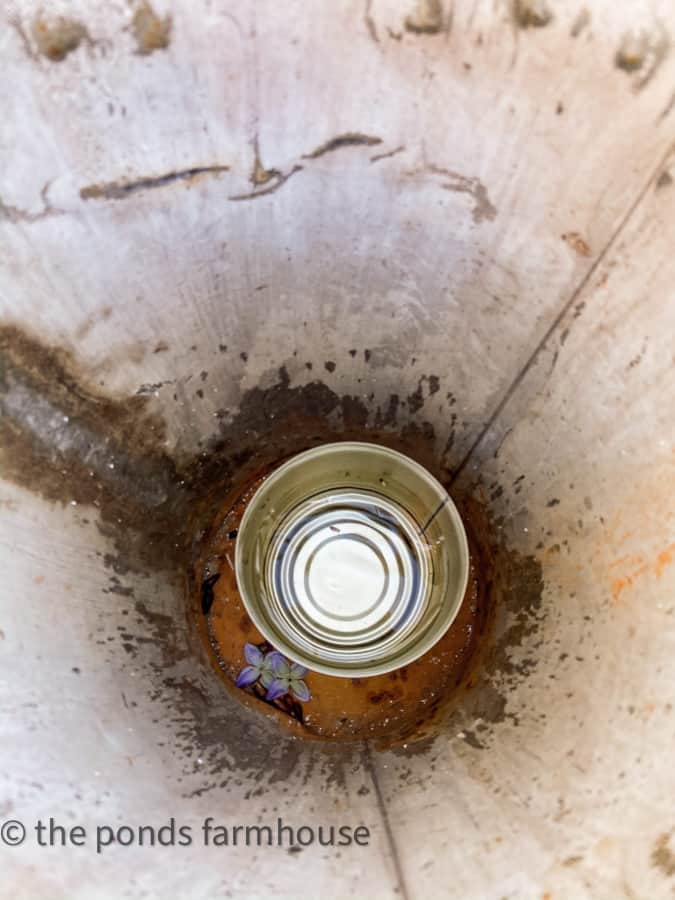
(453, 226)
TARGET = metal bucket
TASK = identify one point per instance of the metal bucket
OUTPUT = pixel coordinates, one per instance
(233, 231)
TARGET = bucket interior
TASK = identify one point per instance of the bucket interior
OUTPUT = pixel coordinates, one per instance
(232, 232)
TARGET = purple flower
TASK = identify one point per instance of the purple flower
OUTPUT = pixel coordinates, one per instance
(287, 676)
(274, 672)
(259, 667)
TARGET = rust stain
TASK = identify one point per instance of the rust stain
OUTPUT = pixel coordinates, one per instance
(662, 857)
(619, 585)
(632, 52)
(151, 506)
(531, 13)
(119, 190)
(150, 31)
(664, 559)
(643, 52)
(272, 183)
(463, 184)
(426, 19)
(665, 179)
(259, 173)
(614, 557)
(389, 709)
(350, 139)
(630, 559)
(17, 215)
(637, 567)
(581, 22)
(57, 38)
(370, 23)
(378, 156)
(577, 243)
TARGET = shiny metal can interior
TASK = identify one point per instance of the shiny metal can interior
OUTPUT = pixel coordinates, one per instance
(352, 559)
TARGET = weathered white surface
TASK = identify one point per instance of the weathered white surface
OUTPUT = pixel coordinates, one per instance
(580, 788)
(369, 254)
(91, 748)
(356, 252)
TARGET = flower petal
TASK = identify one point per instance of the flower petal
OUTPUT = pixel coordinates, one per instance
(253, 655)
(278, 663)
(248, 675)
(300, 689)
(277, 688)
(266, 677)
(298, 671)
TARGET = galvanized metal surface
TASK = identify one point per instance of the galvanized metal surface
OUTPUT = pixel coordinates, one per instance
(484, 197)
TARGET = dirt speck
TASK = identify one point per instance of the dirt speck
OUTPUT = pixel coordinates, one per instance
(125, 187)
(577, 243)
(483, 208)
(581, 22)
(349, 139)
(531, 13)
(665, 179)
(472, 740)
(151, 32)
(663, 855)
(632, 52)
(416, 398)
(56, 38)
(644, 53)
(427, 18)
(261, 175)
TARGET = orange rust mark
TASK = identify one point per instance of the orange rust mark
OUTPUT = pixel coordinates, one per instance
(638, 568)
(39, 579)
(632, 559)
(664, 559)
(577, 243)
(618, 586)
